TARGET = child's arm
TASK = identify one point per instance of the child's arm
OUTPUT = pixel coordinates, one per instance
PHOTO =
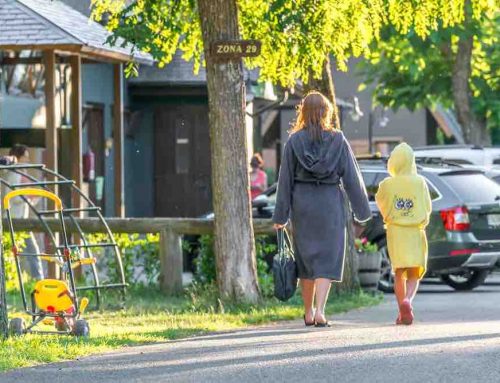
(381, 199)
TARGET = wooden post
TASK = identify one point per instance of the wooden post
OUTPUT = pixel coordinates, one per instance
(118, 141)
(51, 149)
(170, 262)
(76, 127)
(4, 322)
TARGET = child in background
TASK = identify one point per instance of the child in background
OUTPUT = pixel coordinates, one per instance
(405, 204)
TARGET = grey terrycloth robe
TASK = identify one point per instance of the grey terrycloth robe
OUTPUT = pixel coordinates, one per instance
(309, 193)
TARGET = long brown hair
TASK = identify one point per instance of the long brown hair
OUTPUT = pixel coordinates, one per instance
(314, 114)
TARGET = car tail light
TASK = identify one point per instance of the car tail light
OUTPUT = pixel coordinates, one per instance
(456, 218)
(464, 252)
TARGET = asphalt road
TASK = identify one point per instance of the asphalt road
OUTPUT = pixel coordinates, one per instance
(456, 338)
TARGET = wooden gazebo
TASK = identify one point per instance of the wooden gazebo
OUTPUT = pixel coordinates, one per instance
(55, 33)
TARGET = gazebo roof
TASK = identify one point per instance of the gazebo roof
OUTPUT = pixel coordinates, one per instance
(51, 24)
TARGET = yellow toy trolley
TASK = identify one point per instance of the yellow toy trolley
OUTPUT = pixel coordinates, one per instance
(52, 301)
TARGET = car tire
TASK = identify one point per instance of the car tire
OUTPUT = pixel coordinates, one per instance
(386, 282)
(468, 281)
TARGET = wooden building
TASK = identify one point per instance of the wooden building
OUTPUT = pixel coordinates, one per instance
(66, 64)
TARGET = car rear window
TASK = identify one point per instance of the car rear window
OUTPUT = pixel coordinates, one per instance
(473, 187)
(373, 179)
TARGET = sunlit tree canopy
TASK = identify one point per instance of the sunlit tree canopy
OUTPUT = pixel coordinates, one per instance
(296, 34)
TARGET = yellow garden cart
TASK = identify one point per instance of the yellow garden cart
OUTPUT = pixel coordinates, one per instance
(53, 302)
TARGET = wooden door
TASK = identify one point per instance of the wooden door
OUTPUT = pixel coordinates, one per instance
(93, 132)
(182, 161)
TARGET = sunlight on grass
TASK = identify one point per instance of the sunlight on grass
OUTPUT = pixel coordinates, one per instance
(151, 317)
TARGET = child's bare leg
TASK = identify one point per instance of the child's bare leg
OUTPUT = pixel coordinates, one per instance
(400, 285)
(412, 283)
(307, 288)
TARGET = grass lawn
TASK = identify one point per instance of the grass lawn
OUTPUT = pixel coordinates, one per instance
(151, 317)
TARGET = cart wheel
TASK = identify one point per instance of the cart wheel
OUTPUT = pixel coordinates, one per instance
(81, 328)
(17, 327)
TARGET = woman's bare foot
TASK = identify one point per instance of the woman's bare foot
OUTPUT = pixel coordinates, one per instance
(309, 318)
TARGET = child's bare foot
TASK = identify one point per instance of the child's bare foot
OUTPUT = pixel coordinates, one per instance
(406, 312)
(398, 319)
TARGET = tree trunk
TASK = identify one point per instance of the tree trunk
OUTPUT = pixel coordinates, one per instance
(350, 280)
(4, 325)
(234, 238)
(474, 130)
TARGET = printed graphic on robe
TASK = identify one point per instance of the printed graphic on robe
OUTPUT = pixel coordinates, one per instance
(404, 206)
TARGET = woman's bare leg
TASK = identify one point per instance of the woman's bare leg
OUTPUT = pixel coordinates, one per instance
(307, 289)
(322, 289)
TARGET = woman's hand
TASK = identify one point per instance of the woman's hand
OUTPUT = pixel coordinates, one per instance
(278, 226)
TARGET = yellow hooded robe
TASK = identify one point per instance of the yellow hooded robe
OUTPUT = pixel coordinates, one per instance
(405, 204)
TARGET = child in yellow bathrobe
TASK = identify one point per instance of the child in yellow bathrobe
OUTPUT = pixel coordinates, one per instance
(405, 204)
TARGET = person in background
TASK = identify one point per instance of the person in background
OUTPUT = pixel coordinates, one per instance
(405, 204)
(20, 209)
(258, 178)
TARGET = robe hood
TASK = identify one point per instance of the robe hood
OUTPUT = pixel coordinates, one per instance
(319, 157)
(402, 161)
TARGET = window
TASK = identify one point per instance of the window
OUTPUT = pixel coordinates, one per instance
(432, 191)
(373, 179)
(459, 161)
(473, 187)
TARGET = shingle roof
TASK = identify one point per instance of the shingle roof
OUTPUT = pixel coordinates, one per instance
(33, 23)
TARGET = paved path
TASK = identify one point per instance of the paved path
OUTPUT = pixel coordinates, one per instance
(455, 339)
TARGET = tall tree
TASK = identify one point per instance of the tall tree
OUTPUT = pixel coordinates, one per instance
(457, 66)
(234, 239)
(296, 37)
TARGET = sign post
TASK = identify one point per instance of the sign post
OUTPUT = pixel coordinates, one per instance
(4, 323)
(235, 49)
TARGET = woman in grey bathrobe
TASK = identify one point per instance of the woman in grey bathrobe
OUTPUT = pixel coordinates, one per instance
(316, 164)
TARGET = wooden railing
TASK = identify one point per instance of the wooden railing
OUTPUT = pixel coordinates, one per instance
(171, 231)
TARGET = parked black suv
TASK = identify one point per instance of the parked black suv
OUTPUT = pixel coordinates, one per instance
(464, 229)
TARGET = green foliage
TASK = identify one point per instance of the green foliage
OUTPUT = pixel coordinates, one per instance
(362, 245)
(414, 73)
(11, 276)
(206, 271)
(140, 258)
(296, 35)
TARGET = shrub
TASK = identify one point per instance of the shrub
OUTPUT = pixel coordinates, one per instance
(206, 269)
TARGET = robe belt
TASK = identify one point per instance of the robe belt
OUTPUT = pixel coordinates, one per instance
(316, 181)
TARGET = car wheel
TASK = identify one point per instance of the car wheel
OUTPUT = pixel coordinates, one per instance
(468, 280)
(386, 282)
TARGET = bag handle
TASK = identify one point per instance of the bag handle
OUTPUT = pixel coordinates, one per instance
(284, 242)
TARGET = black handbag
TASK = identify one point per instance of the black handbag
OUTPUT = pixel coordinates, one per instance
(284, 268)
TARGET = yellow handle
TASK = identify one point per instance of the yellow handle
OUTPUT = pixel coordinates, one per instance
(83, 261)
(83, 305)
(86, 261)
(32, 191)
